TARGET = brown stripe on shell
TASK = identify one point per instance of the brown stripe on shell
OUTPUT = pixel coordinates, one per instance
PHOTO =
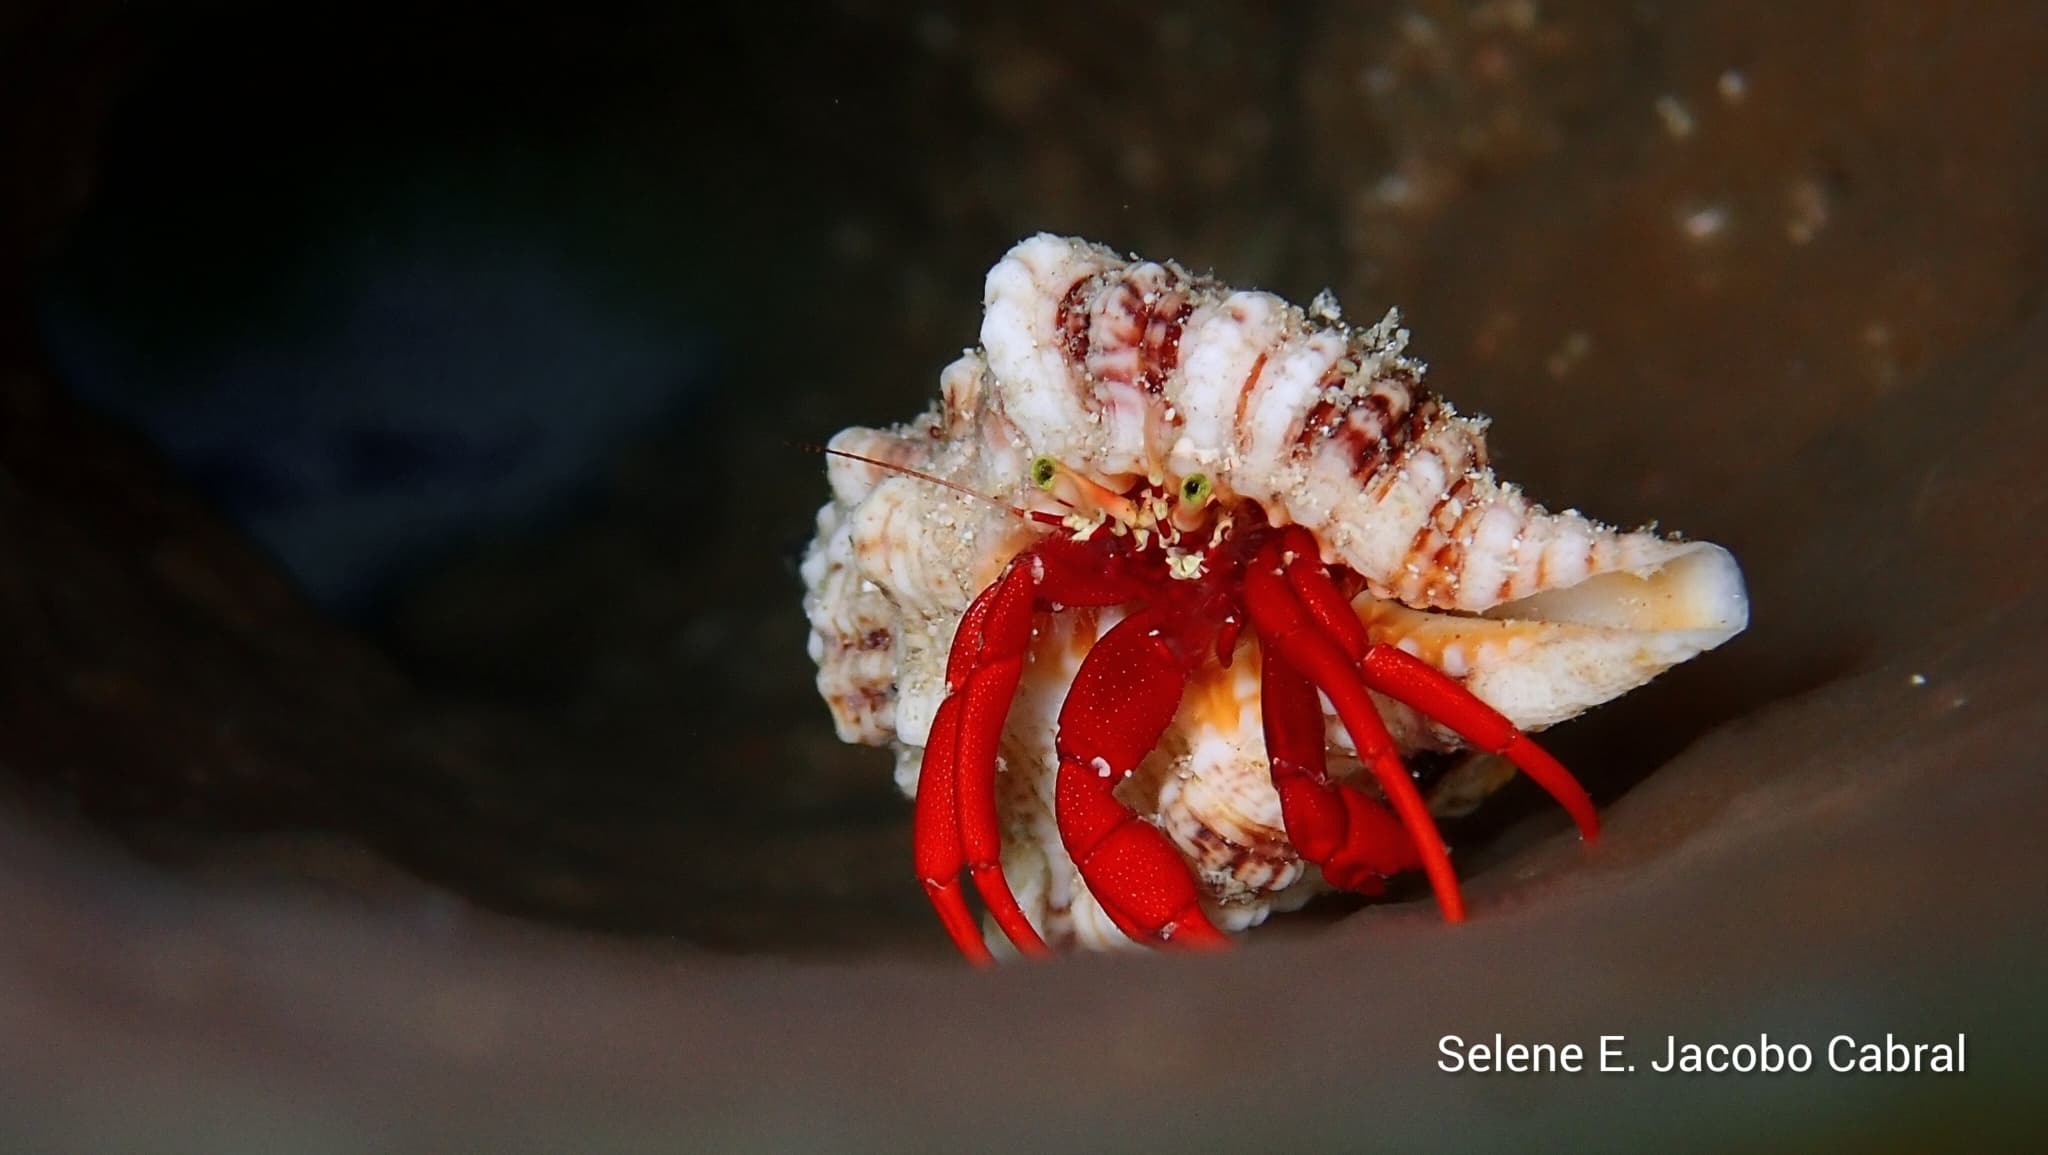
(1070, 321)
(1244, 392)
(1368, 431)
(1437, 552)
(1408, 429)
(1256, 866)
(1120, 308)
(1434, 560)
(1422, 412)
(1320, 423)
(1601, 557)
(1323, 419)
(1165, 311)
(1160, 354)
(1377, 427)
(866, 709)
(1141, 313)
(1464, 526)
(1412, 438)
(1442, 586)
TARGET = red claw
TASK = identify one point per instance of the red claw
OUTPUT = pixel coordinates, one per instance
(1126, 693)
(1122, 699)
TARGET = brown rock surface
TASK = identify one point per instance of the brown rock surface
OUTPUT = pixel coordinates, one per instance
(1804, 320)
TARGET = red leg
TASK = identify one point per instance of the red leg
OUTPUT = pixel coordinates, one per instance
(1302, 560)
(936, 837)
(1410, 680)
(1287, 624)
(955, 825)
(1406, 678)
(1357, 842)
(1123, 696)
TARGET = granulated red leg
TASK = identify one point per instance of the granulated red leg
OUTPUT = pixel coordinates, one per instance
(1413, 682)
(1123, 696)
(1286, 624)
(1301, 560)
(1357, 842)
(955, 825)
(1408, 679)
(936, 837)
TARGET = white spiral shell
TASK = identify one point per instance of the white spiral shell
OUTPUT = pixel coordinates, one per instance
(1127, 371)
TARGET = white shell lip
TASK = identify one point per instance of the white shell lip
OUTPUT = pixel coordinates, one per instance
(1553, 655)
(1698, 590)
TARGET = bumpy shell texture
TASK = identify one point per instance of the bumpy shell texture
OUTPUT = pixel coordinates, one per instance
(1125, 370)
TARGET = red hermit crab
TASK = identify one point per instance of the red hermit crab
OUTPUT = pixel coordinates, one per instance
(1154, 602)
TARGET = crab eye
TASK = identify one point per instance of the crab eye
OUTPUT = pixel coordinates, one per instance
(1043, 471)
(1195, 489)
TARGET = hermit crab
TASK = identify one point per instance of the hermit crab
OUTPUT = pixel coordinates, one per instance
(1154, 602)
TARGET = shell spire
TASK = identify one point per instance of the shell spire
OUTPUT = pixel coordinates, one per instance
(1139, 368)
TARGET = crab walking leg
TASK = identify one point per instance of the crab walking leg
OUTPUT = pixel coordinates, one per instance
(955, 826)
(1410, 680)
(1406, 678)
(1286, 625)
(1356, 841)
(1123, 696)
(1301, 558)
(936, 837)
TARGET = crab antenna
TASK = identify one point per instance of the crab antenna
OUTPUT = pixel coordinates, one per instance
(920, 474)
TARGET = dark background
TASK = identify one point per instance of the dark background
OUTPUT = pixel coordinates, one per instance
(406, 729)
